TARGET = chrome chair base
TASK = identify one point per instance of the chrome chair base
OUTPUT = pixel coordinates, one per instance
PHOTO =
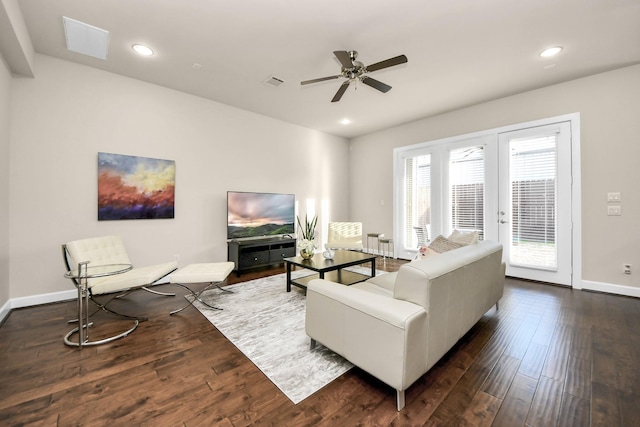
(87, 342)
(153, 291)
(196, 296)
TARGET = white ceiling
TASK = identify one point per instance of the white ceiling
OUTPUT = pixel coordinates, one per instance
(461, 52)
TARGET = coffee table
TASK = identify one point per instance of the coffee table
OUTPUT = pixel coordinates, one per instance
(331, 269)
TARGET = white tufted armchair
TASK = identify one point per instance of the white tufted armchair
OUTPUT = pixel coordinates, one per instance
(345, 235)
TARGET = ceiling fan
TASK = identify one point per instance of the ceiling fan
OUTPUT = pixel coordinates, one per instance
(355, 71)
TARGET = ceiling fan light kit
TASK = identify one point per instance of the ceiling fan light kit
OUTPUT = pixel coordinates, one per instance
(355, 71)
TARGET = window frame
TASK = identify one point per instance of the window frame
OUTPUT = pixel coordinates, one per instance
(439, 151)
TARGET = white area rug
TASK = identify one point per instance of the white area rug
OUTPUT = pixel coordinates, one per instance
(266, 323)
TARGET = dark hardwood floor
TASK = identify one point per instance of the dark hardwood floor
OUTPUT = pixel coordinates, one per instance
(549, 357)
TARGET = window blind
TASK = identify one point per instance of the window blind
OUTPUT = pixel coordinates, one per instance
(533, 171)
(466, 187)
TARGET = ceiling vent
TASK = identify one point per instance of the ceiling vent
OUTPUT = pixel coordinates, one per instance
(86, 39)
(274, 81)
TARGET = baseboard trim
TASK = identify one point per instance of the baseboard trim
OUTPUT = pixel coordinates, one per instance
(4, 311)
(36, 300)
(609, 288)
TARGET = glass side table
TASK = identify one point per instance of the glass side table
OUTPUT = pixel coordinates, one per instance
(81, 276)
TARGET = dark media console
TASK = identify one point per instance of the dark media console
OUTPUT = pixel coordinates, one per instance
(254, 253)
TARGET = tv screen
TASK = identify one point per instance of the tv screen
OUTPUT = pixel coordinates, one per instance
(259, 214)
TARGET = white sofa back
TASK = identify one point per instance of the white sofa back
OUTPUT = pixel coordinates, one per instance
(456, 288)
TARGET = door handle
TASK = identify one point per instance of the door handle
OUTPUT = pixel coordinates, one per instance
(502, 221)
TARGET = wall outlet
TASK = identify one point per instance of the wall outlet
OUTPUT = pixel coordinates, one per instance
(613, 197)
(614, 210)
(627, 269)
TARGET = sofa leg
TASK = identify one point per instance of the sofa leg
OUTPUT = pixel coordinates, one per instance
(497, 305)
(400, 399)
(313, 344)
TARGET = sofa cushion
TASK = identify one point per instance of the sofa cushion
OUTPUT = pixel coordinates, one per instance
(384, 281)
(374, 289)
(469, 238)
(441, 244)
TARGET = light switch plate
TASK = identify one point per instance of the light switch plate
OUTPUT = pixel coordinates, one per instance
(613, 197)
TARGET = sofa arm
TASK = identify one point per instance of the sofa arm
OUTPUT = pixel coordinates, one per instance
(384, 308)
(381, 335)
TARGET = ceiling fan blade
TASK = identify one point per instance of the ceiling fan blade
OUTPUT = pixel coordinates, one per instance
(376, 84)
(387, 63)
(321, 79)
(344, 58)
(341, 91)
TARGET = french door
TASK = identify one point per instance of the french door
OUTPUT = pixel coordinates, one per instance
(513, 185)
(534, 210)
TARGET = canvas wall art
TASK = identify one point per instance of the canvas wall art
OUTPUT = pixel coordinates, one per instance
(132, 187)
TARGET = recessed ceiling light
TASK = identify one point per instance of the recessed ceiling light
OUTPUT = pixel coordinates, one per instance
(550, 51)
(142, 49)
(345, 121)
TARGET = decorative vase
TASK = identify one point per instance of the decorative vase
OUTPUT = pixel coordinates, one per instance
(328, 254)
(306, 253)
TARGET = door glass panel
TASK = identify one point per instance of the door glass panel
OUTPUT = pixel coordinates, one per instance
(533, 176)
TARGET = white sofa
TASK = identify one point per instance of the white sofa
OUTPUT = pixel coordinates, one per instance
(396, 326)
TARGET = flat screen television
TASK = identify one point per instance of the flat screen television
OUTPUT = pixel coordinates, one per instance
(251, 215)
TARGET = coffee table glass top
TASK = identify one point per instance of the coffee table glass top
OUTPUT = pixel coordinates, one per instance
(341, 259)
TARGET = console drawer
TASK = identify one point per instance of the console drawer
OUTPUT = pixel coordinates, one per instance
(254, 258)
(277, 255)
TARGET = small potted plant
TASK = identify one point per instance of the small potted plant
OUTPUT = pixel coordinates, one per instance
(307, 244)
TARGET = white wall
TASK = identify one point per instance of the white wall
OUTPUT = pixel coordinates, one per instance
(5, 97)
(61, 119)
(609, 105)
(69, 113)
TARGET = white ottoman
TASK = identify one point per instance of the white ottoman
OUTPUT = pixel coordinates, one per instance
(212, 273)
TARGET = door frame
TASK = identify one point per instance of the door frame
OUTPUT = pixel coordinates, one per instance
(563, 271)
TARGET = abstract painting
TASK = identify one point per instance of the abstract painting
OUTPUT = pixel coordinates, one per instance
(131, 187)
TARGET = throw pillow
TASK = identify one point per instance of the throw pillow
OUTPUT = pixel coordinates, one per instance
(464, 238)
(441, 244)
